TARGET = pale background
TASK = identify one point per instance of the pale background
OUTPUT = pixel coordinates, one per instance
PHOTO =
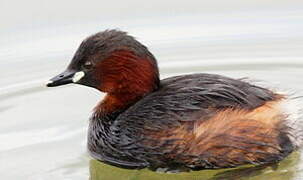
(43, 131)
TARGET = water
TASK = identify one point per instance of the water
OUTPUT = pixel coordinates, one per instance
(43, 131)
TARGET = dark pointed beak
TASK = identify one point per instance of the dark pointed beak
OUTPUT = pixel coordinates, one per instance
(64, 78)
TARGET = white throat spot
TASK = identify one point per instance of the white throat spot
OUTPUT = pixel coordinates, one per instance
(78, 76)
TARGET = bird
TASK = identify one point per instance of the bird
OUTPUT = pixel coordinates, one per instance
(194, 121)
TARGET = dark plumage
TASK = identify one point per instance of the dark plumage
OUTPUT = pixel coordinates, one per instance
(193, 121)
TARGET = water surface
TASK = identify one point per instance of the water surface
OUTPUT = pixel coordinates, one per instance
(43, 131)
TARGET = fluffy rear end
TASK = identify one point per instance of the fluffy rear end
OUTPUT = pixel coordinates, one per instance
(292, 109)
(234, 137)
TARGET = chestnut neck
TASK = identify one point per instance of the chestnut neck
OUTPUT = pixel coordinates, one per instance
(113, 103)
(125, 88)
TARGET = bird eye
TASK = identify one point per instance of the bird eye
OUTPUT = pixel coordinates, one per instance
(87, 65)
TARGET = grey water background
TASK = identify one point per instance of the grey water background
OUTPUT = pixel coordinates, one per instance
(43, 131)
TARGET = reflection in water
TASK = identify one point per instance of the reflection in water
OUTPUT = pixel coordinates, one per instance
(284, 170)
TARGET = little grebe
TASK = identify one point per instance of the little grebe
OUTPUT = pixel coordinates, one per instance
(192, 121)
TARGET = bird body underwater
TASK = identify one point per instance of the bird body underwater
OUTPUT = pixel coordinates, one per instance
(195, 121)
